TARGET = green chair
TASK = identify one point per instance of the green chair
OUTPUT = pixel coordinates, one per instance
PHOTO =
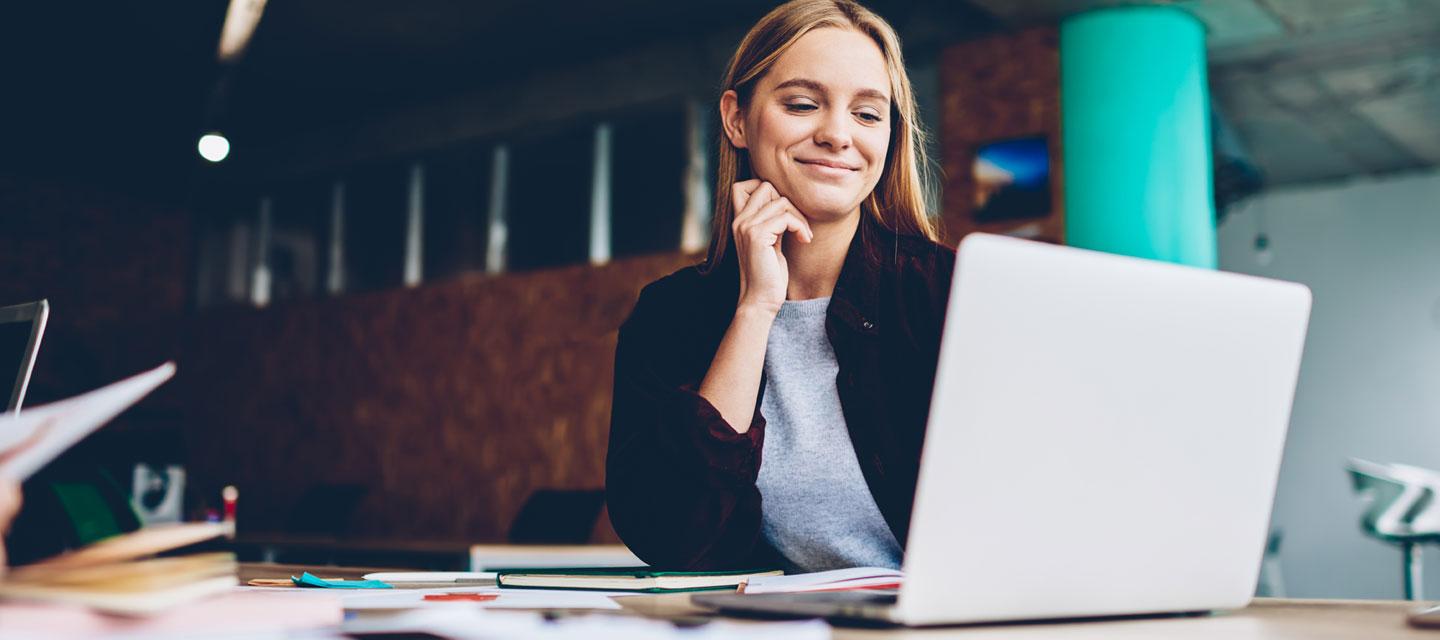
(67, 508)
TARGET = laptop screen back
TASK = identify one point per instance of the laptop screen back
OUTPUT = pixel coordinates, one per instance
(21, 327)
(1105, 436)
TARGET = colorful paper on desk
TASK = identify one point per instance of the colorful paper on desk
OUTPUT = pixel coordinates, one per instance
(307, 580)
(457, 623)
(234, 613)
(34, 437)
(851, 579)
(400, 599)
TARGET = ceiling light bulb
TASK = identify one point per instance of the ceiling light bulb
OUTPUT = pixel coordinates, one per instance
(213, 147)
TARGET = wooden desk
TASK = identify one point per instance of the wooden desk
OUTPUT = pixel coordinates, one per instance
(433, 555)
(252, 570)
(1266, 619)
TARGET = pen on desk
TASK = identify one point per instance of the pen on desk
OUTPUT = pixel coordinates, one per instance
(271, 582)
(412, 579)
(461, 597)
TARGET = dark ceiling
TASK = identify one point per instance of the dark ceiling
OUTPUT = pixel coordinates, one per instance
(105, 92)
(115, 93)
(312, 60)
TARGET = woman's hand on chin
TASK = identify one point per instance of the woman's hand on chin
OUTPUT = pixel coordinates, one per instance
(762, 218)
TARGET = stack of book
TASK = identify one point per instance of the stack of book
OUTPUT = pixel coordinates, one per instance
(121, 575)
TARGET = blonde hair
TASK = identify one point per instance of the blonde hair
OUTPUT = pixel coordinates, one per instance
(898, 200)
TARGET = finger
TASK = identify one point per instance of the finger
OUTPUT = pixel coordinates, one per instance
(777, 218)
(759, 198)
(783, 206)
(763, 218)
(9, 503)
(791, 222)
(740, 192)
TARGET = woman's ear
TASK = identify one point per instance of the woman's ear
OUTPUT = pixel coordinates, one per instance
(732, 119)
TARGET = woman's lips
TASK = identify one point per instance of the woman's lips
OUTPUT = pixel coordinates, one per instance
(827, 168)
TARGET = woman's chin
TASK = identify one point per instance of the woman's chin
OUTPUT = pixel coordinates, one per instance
(825, 210)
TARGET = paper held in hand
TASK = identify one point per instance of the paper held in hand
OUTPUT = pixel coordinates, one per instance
(32, 438)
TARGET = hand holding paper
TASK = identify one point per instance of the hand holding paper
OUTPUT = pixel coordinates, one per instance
(9, 506)
(31, 439)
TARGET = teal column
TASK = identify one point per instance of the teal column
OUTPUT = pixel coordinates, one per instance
(1136, 133)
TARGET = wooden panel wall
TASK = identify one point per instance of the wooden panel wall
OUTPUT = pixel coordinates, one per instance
(998, 88)
(115, 269)
(452, 401)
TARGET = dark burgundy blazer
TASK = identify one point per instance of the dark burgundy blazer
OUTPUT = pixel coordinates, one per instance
(680, 482)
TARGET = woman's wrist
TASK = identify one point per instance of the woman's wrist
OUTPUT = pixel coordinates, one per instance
(749, 311)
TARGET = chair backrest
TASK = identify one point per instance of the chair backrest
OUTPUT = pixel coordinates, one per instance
(553, 516)
(1401, 499)
(68, 507)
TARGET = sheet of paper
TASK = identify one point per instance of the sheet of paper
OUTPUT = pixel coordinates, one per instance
(481, 624)
(35, 436)
(288, 590)
(237, 614)
(432, 576)
(508, 599)
(839, 578)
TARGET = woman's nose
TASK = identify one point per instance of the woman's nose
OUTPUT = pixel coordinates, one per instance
(833, 132)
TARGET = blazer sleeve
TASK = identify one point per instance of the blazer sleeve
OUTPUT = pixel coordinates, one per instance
(680, 482)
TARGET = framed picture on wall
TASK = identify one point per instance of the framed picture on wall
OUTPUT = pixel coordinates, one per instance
(1012, 179)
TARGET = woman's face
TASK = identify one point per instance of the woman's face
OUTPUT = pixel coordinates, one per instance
(818, 124)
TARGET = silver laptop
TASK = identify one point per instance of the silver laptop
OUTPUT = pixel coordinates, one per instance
(1104, 440)
(21, 327)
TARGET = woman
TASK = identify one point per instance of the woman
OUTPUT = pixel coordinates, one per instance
(770, 404)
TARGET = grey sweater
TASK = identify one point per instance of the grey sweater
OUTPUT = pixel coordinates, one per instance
(817, 509)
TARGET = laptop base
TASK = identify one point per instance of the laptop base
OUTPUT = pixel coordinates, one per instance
(867, 609)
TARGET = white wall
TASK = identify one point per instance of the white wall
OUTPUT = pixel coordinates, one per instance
(1370, 382)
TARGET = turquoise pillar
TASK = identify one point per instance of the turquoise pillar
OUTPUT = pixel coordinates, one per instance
(1136, 133)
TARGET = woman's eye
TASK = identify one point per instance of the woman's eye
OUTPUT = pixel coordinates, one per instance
(801, 107)
(868, 117)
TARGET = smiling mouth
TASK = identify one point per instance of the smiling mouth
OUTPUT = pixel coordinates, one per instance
(828, 164)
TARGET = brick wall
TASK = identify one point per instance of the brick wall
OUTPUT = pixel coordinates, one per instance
(450, 402)
(999, 88)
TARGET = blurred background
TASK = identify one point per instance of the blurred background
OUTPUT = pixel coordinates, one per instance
(394, 297)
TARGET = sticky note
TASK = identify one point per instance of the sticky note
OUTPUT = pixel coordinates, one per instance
(307, 580)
